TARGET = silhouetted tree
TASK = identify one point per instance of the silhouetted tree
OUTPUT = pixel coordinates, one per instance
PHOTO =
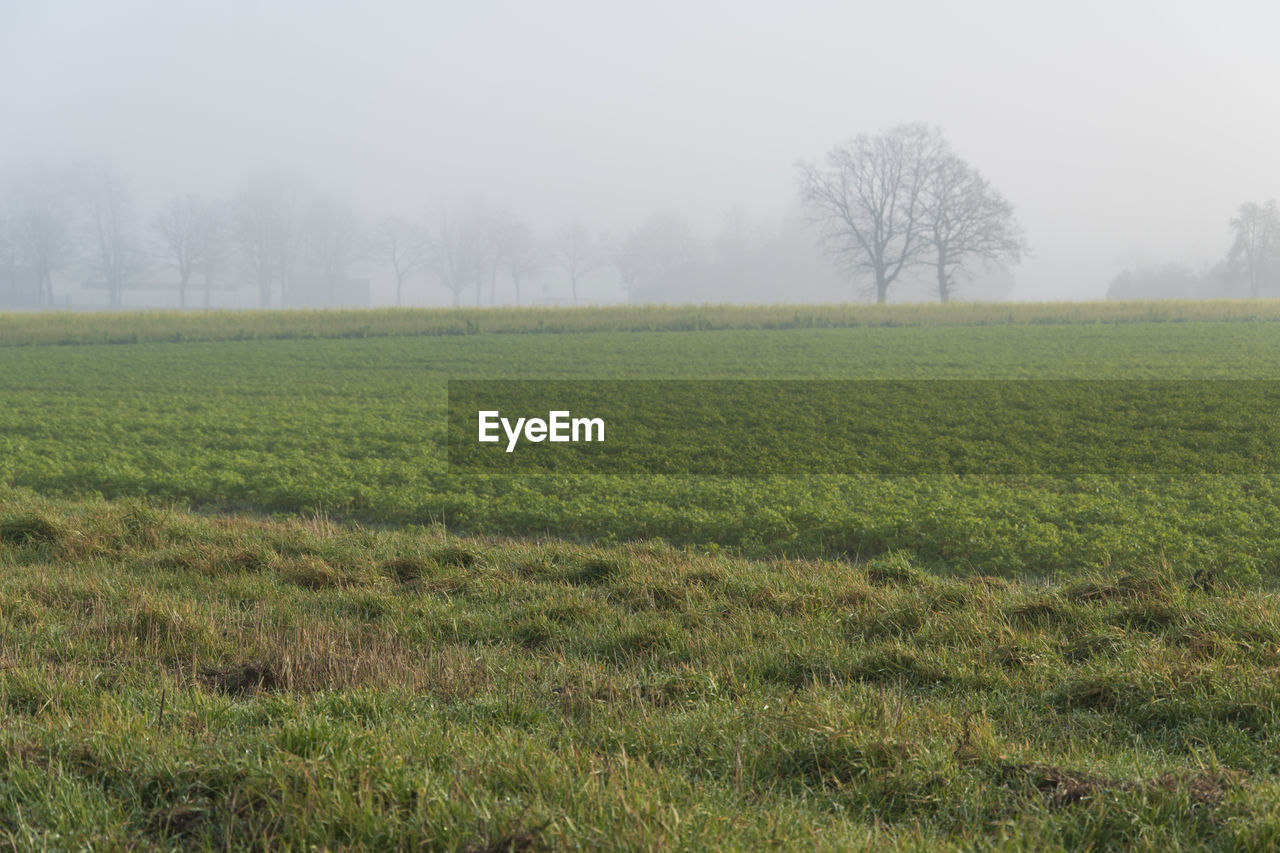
(332, 239)
(452, 253)
(518, 251)
(655, 252)
(965, 220)
(869, 201)
(471, 237)
(268, 214)
(182, 234)
(575, 251)
(403, 247)
(117, 254)
(41, 225)
(213, 243)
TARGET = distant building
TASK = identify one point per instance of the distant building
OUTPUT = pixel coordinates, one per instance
(19, 289)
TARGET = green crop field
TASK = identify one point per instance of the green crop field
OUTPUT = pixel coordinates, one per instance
(244, 602)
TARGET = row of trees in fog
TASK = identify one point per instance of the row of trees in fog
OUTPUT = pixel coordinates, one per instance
(892, 210)
(477, 252)
(1250, 266)
(888, 208)
(282, 238)
(81, 221)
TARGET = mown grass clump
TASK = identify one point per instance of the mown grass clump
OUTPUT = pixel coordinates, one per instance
(29, 529)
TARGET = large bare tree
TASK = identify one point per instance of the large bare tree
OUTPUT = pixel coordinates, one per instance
(965, 220)
(1255, 250)
(575, 251)
(117, 254)
(868, 202)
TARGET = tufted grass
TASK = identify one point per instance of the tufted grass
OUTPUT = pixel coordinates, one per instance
(173, 680)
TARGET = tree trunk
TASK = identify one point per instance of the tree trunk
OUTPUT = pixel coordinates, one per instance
(573, 283)
(944, 285)
(399, 290)
(882, 289)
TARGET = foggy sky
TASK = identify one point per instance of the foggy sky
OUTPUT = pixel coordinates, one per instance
(1124, 132)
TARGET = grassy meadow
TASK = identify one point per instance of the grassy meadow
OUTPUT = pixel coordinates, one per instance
(245, 604)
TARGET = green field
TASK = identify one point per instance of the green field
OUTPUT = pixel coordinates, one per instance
(354, 428)
(243, 601)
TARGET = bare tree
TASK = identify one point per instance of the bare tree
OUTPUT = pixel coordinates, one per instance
(463, 250)
(868, 203)
(267, 229)
(485, 235)
(483, 231)
(255, 236)
(655, 252)
(966, 220)
(331, 240)
(575, 251)
(213, 243)
(117, 254)
(737, 241)
(1255, 250)
(451, 253)
(180, 230)
(403, 247)
(518, 251)
(42, 233)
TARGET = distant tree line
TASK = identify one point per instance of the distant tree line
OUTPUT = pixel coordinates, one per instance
(284, 240)
(1249, 268)
(892, 209)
